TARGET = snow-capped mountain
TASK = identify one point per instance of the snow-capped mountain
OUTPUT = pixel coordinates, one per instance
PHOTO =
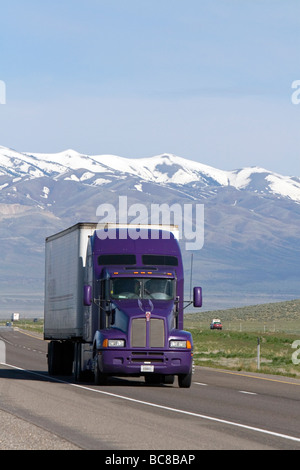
(162, 169)
(251, 250)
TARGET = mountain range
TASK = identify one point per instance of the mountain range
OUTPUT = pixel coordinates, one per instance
(251, 249)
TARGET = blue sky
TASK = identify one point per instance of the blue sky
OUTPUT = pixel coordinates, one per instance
(208, 80)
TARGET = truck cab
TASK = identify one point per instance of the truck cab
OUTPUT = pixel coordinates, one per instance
(139, 284)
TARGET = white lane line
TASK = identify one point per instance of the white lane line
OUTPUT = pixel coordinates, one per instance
(240, 391)
(163, 407)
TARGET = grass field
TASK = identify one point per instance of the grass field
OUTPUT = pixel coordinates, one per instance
(235, 347)
(277, 325)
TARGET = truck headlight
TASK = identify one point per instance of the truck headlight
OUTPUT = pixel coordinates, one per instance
(116, 343)
(174, 343)
(113, 343)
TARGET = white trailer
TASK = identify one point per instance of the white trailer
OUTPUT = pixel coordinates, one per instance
(65, 274)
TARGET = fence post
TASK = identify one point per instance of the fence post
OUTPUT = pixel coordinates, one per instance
(258, 353)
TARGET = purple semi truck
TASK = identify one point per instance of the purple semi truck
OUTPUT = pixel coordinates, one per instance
(114, 304)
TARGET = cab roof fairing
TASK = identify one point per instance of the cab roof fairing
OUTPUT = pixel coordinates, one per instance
(138, 247)
(144, 243)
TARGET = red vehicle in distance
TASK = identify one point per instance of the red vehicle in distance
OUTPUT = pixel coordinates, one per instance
(216, 324)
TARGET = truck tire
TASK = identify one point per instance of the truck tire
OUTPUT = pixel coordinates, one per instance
(99, 377)
(185, 380)
(168, 379)
(77, 363)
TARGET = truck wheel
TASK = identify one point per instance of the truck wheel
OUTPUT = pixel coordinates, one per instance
(185, 380)
(78, 374)
(168, 379)
(99, 377)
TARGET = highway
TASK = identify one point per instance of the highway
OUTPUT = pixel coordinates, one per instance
(221, 410)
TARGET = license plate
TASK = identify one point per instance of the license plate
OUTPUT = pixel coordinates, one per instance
(147, 368)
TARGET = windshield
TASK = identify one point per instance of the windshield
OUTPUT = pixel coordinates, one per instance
(142, 288)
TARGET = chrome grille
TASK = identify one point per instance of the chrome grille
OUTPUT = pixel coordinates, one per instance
(138, 333)
(147, 333)
(157, 333)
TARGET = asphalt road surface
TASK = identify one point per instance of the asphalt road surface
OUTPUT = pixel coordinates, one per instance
(221, 410)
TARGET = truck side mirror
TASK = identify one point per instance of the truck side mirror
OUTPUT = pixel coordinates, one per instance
(197, 300)
(87, 295)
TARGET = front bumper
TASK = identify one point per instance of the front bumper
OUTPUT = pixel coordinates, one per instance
(140, 362)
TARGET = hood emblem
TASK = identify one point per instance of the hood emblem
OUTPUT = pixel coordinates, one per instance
(148, 315)
(147, 310)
